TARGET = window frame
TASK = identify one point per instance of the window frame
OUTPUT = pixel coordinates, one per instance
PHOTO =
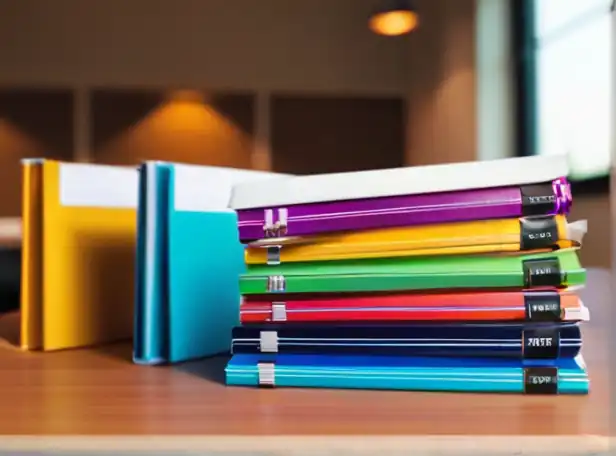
(525, 56)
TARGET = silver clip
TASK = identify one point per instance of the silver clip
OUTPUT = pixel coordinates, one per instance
(279, 311)
(281, 223)
(268, 342)
(273, 254)
(267, 374)
(276, 283)
(268, 225)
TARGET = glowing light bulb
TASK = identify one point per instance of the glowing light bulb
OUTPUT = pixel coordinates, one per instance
(394, 21)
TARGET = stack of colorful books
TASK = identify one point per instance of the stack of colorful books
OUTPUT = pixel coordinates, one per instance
(459, 277)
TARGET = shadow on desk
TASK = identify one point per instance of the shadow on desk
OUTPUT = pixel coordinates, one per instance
(9, 329)
(97, 392)
(212, 369)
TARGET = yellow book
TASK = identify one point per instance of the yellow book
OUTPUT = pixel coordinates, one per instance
(79, 229)
(477, 237)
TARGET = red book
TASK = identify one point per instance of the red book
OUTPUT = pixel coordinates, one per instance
(543, 305)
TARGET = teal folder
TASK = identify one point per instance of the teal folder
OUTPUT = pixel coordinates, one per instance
(485, 375)
(189, 259)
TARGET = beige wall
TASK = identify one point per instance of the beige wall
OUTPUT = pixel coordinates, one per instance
(597, 248)
(443, 112)
(286, 45)
(442, 90)
(263, 49)
(320, 46)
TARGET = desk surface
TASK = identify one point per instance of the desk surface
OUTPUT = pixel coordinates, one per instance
(99, 391)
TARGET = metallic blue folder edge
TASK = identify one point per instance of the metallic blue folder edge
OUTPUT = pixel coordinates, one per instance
(400, 373)
(187, 292)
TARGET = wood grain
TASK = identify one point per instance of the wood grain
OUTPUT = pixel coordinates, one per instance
(100, 392)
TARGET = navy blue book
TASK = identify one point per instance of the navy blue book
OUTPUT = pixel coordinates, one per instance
(504, 340)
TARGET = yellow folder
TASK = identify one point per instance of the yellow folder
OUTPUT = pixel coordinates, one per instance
(79, 229)
(477, 237)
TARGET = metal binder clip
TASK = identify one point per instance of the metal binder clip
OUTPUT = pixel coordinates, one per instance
(276, 228)
(267, 374)
(268, 342)
(268, 225)
(281, 223)
(279, 311)
(276, 283)
(273, 254)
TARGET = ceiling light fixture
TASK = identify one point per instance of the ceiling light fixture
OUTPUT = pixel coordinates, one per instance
(395, 18)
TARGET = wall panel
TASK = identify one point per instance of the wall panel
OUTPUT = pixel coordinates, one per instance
(33, 124)
(183, 126)
(334, 134)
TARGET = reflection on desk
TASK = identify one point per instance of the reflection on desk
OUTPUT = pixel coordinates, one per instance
(99, 391)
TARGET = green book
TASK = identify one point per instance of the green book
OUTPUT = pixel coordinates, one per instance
(550, 269)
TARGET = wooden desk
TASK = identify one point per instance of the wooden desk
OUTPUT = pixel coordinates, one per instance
(99, 391)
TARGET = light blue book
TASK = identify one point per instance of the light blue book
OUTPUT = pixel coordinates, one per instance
(189, 259)
(487, 375)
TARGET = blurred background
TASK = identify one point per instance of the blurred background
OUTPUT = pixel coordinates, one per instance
(307, 87)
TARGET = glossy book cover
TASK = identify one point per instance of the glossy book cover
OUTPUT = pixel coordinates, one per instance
(553, 269)
(529, 305)
(526, 234)
(508, 340)
(476, 375)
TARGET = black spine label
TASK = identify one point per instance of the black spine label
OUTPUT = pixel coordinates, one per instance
(538, 232)
(538, 199)
(541, 380)
(542, 273)
(543, 307)
(541, 343)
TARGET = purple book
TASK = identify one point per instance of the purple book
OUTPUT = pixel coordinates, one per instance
(549, 198)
